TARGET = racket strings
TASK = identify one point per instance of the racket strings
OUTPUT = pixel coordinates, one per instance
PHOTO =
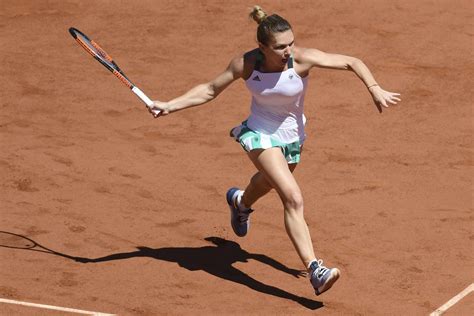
(96, 51)
(101, 52)
(85, 46)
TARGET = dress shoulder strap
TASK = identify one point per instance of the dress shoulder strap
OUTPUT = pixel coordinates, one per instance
(290, 62)
(259, 61)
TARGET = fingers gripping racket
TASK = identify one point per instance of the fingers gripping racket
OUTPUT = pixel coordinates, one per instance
(98, 53)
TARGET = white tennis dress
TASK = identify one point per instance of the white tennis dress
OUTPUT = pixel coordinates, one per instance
(277, 104)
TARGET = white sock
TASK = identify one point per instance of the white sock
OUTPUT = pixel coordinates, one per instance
(240, 204)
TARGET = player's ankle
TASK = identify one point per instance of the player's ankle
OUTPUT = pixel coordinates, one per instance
(308, 266)
(240, 202)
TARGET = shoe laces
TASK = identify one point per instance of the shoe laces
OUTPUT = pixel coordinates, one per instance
(319, 270)
(243, 216)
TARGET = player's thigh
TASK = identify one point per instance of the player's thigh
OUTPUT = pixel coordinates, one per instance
(260, 178)
(273, 166)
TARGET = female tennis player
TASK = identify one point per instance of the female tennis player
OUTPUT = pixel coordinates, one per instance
(276, 73)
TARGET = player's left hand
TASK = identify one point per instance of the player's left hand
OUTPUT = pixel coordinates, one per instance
(384, 98)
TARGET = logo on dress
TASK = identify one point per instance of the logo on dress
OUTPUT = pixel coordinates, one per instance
(290, 76)
(256, 78)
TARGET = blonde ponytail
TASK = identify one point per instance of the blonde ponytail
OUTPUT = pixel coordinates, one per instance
(257, 14)
(268, 24)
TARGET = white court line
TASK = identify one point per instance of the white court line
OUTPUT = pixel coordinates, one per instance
(453, 301)
(57, 308)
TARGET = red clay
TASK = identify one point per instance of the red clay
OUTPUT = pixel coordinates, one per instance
(87, 172)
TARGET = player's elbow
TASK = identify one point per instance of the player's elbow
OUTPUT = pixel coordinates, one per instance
(353, 63)
(211, 91)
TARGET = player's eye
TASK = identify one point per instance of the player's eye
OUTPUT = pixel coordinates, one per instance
(281, 47)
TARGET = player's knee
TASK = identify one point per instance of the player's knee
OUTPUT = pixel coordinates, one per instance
(294, 201)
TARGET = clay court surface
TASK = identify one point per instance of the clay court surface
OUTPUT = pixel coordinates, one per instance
(132, 208)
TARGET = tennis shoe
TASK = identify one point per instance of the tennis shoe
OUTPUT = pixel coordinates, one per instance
(239, 219)
(322, 278)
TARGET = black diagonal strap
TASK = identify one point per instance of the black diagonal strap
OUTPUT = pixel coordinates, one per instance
(259, 61)
(290, 62)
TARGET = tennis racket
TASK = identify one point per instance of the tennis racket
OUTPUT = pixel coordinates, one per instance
(101, 56)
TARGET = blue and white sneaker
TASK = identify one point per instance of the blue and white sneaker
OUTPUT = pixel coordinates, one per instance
(322, 278)
(238, 219)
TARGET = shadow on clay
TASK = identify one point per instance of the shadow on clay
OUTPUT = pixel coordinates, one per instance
(216, 260)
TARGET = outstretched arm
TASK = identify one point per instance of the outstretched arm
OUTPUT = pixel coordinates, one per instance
(202, 93)
(317, 58)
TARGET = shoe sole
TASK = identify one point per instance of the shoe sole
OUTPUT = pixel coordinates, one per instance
(335, 274)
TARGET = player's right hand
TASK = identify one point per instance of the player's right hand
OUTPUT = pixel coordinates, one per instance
(162, 107)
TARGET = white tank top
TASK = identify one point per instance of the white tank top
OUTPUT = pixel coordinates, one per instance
(277, 104)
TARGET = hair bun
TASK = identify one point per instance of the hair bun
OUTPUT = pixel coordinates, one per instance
(257, 14)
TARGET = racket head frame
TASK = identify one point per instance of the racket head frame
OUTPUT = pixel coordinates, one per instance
(100, 55)
(106, 60)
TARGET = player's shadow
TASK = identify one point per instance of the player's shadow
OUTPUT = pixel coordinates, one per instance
(217, 260)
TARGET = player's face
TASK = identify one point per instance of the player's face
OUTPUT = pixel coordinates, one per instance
(279, 49)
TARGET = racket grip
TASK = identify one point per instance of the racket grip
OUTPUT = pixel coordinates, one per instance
(145, 99)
